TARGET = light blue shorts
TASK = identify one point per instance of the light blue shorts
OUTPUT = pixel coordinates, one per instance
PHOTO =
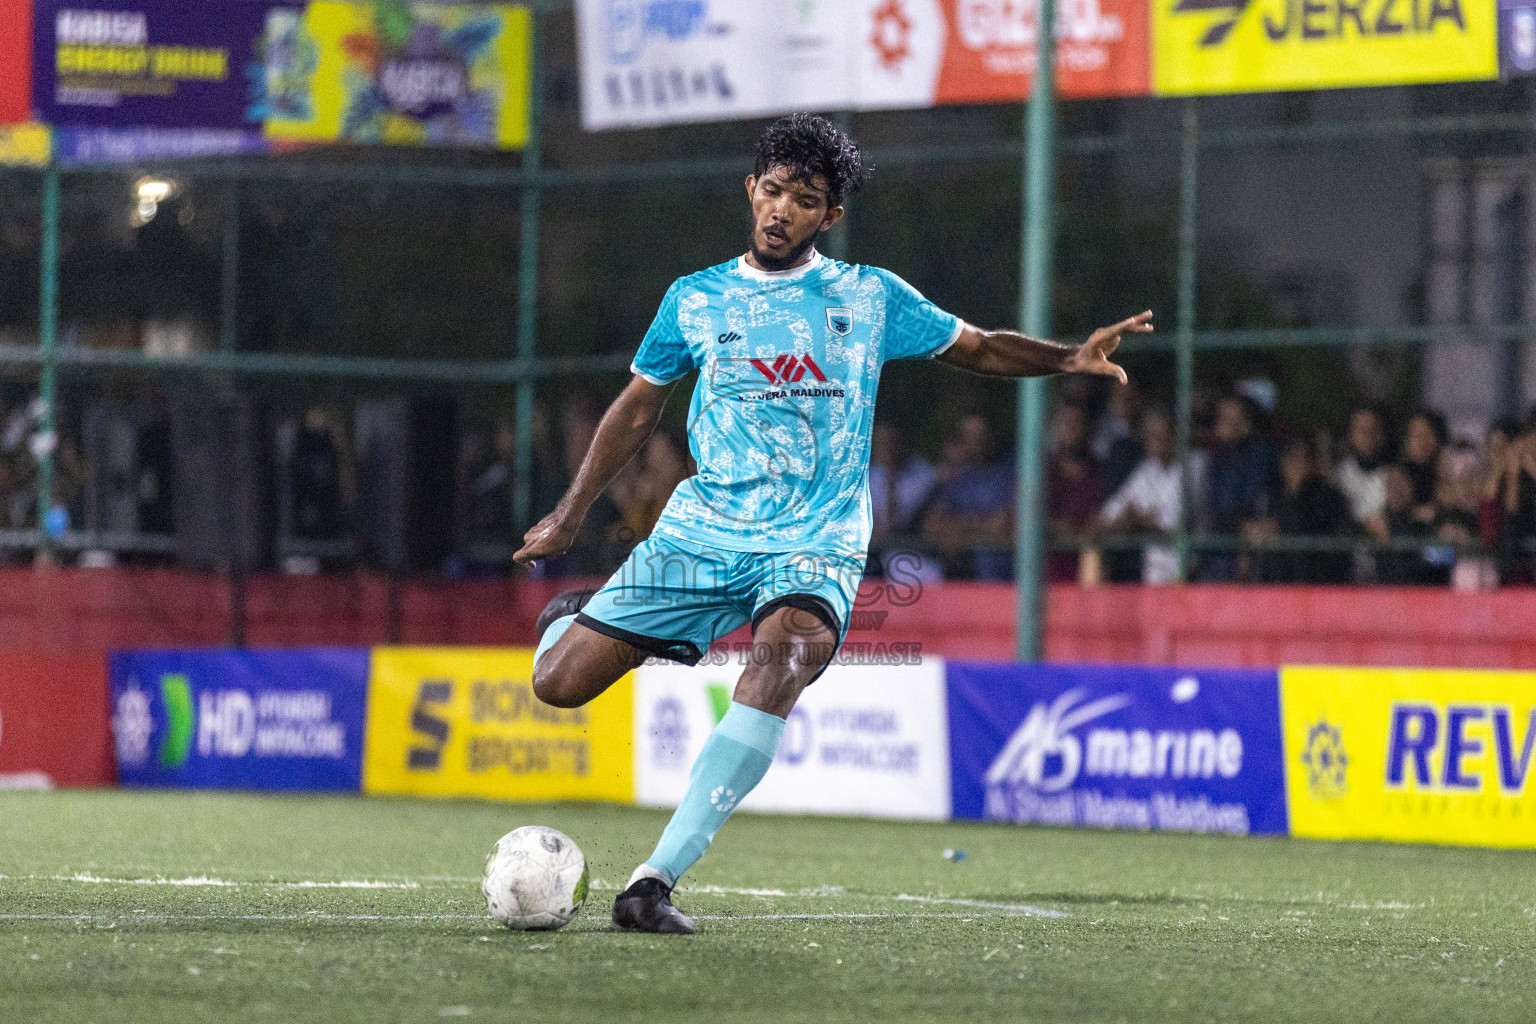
(672, 599)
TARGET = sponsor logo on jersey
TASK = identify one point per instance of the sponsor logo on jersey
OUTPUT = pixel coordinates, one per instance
(840, 320)
(787, 369)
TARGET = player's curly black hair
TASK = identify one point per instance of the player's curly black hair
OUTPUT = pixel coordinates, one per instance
(807, 145)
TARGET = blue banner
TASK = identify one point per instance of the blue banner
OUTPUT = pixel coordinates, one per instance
(273, 719)
(79, 147)
(1168, 748)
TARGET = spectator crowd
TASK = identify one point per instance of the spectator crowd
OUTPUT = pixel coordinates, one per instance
(1374, 501)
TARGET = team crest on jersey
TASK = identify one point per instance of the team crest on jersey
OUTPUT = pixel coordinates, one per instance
(840, 320)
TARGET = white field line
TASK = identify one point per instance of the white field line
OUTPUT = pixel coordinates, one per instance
(597, 884)
(204, 881)
(1023, 909)
(315, 916)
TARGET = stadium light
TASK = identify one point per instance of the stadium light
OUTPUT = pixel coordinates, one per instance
(150, 193)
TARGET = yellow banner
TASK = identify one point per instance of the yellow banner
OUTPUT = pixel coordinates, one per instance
(398, 74)
(1223, 46)
(1410, 754)
(25, 145)
(445, 721)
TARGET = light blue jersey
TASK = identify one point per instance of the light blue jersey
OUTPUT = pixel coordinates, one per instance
(789, 363)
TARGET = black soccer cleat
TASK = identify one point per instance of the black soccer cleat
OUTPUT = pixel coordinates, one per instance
(647, 906)
(567, 602)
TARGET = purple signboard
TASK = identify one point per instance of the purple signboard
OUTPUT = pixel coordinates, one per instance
(145, 63)
(1517, 38)
(1194, 750)
(77, 147)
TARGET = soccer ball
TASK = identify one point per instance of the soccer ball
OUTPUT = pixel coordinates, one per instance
(535, 877)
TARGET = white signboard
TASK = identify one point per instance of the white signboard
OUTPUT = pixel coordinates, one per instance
(865, 740)
(649, 62)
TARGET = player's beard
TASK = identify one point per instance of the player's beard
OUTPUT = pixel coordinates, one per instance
(768, 262)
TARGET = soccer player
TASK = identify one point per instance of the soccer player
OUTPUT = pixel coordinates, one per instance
(774, 528)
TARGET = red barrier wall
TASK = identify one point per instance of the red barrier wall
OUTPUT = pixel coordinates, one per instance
(96, 610)
(1236, 626)
(53, 719)
(67, 610)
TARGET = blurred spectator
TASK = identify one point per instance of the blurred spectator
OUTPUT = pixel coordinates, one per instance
(1457, 520)
(899, 487)
(548, 469)
(486, 467)
(642, 490)
(157, 474)
(1074, 488)
(1423, 443)
(973, 508)
(1151, 499)
(1307, 506)
(317, 477)
(1510, 496)
(1241, 482)
(1406, 567)
(1115, 443)
(1361, 473)
(596, 551)
(1501, 474)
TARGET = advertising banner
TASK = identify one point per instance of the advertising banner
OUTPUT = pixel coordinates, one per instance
(1517, 38)
(649, 62)
(25, 145)
(15, 61)
(156, 63)
(53, 721)
(865, 740)
(1227, 46)
(446, 721)
(249, 719)
(1166, 748)
(399, 74)
(922, 53)
(1410, 754)
(75, 147)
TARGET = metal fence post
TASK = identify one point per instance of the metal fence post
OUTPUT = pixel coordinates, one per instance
(528, 286)
(48, 332)
(1189, 157)
(229, 285)
(1035, 317)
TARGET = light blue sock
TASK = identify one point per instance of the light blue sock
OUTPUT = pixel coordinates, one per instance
(552, 632)
(734, 760)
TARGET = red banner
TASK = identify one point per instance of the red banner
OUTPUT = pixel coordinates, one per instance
(54, 729)
(1103, 48)
(15, 61)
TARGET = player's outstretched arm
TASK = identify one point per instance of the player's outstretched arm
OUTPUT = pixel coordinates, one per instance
(624, 428)
(1011, 354)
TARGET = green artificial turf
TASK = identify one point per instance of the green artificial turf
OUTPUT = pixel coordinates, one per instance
(803, 919)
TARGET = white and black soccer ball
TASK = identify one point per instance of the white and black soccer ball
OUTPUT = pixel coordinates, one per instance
(535, 877)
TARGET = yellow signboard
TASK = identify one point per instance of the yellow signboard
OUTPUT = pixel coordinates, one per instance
(1203, 47)
(25, 145)
(445, 721)
(1409, 754)
(398, 74)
